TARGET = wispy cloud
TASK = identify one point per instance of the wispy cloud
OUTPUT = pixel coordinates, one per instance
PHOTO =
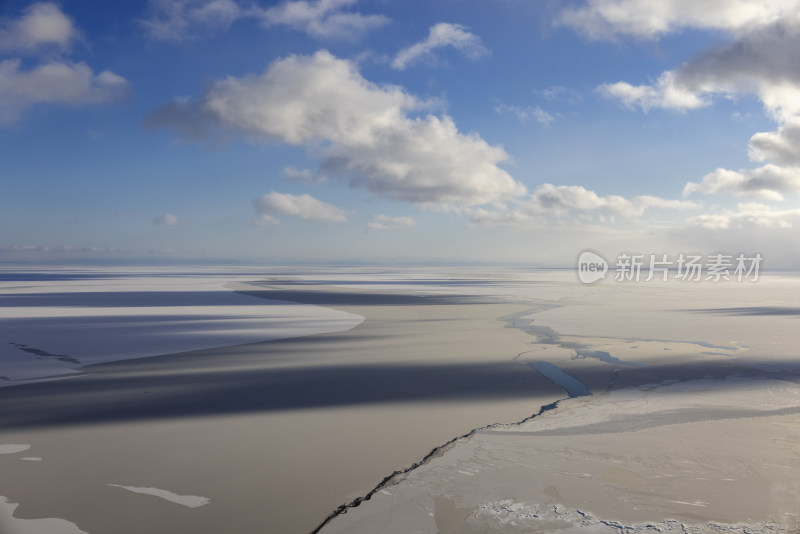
(384, 222)
(265, 220)
(564, 199)
(441, 35)
(550, 202)
(304, 175)
(178, 20)
(322, 19)
(526, 114)
(748, 215)
(166, 219)
(369, 133)
(302, 206)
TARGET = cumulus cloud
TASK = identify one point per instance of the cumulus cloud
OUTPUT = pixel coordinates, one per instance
(166, 219)
(384, 222)
(548, 201)
(43, 28)
(526, 114)
(178, 20)
(768, 182)
(759, 62)
(41, 25)
(781, 146)
(54, 83)
(602, 19)
(441, 35)
(369, 133)
(302, 206)
(748, 215)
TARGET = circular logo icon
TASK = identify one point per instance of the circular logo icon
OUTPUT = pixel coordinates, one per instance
(592, 267)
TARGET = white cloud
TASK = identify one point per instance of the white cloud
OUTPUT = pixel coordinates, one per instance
(384, 222)
(166, 219)
(178, 20)
(503, 216)
(559, 199)
(182, 19)
(41, 25)
(781, 99)
(550, 202)
(664, 93)
(441, 35)
(768, 182)
(323, 18)
(265, 220)
(760, 61)
(367, 131)
(781, 146)
(303, 206)
(43, 28)
(562, 199)
(54, 83)
(304, 175)
(426, 161)
(526, 114)
(748, 215)
(558, 92)
(600, 19)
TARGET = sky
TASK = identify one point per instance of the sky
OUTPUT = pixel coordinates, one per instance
(421, 131)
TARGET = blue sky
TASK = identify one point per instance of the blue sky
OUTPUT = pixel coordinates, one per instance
(414, 131)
